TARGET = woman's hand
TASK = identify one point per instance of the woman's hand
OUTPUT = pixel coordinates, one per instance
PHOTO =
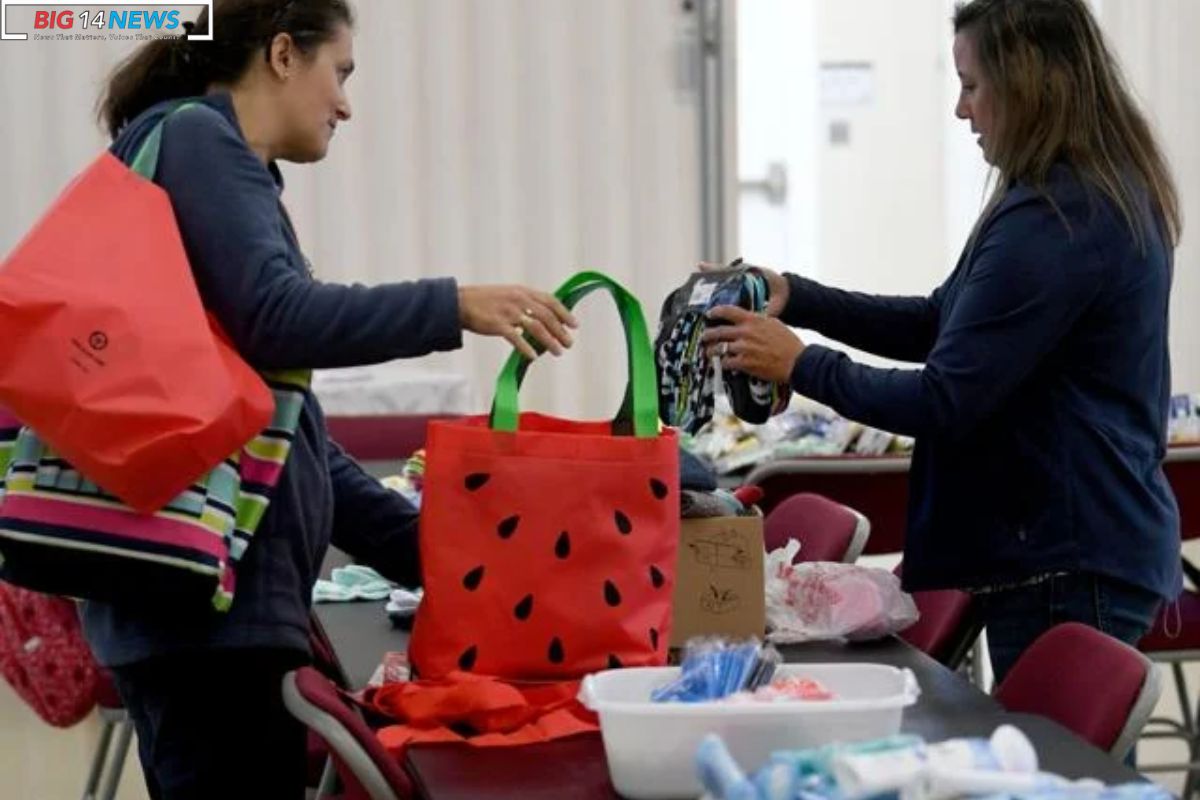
(757, 345)
(777, 291)
(777, 286)
(510, 312)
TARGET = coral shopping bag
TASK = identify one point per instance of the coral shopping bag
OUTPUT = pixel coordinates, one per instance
(548, 545)
(109, 355)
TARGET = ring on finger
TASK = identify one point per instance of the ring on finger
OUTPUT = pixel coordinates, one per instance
(723, 349)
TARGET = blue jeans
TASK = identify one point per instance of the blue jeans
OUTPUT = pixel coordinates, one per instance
(1015, 617)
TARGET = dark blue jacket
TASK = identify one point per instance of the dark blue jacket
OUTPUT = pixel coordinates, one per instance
(253, 277)
(1040, 413)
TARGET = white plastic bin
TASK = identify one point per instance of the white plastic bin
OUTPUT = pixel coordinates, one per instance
(651, 747)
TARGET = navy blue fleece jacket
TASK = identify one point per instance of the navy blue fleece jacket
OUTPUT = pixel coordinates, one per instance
(1040, 412)
(253, 277)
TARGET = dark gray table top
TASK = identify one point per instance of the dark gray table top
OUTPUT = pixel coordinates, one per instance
(360, 633)
(949, 705)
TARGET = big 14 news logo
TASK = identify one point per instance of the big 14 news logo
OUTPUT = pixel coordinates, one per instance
(143, 20)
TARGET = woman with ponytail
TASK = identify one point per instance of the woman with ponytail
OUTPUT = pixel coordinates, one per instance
(204, 690)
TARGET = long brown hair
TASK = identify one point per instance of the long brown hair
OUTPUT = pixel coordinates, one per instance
(167, 68)
(1061, 96)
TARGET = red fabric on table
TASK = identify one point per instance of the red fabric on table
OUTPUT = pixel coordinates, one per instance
(478, 710)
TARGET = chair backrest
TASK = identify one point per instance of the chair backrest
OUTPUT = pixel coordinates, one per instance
(827, 531)
(364, 765)
(1096, 686)
(382, 437)
(949, 624)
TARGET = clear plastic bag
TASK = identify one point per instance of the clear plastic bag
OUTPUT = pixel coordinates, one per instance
(715, 668)
(822, 600)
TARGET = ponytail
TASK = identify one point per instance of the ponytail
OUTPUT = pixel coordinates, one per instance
(157, 71)
(165, 69)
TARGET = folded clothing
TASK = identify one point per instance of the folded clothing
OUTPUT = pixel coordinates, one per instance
(695, 474)
(718, 503)
(479, 710)
(353, 582)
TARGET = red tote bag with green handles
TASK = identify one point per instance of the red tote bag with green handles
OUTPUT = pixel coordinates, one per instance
(548, 545)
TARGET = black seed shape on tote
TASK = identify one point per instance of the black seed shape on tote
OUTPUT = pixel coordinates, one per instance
(614, 662)
(524, 608)
(562, 548)
(508, 527)
(654, 638)
(471, 579)
(658, 488)
(611, 595)
(476, 480)
(656, 577)
(556, 654)
(623, 523)
(467, 660)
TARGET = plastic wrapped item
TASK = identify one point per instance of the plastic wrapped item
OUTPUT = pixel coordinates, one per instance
(730, 444)
(410, 483)
(1004, 765)
(820, 600)
(714, 669)
(402, 606)
(910, 769)
(873, 442)
(793, 689)
(394, 668)
(787, 775)
(904, 767)
(1183, 423)
(1086, 790)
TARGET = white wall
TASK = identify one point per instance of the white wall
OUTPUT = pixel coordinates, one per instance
(1156, 42)
(776, 112)
(881, 226)
(492, 141)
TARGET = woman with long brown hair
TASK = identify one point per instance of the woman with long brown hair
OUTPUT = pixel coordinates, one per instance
(204, 690)
(1040, 410)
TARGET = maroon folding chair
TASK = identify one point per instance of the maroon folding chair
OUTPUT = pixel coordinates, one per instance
(1096, 686)
(949, 626)
(827, 531)
(381, 437)
(366, 769)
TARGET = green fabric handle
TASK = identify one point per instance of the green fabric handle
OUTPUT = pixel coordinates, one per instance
(145, 163)
(639, 411)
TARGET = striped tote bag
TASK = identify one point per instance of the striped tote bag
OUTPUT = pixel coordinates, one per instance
(62, 534)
